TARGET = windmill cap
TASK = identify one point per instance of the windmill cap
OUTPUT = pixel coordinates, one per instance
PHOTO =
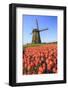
(34, 30)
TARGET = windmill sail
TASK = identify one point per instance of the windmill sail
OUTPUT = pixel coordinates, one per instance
(43, 30)
(37, 24)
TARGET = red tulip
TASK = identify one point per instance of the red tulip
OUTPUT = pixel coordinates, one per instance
(40, 58)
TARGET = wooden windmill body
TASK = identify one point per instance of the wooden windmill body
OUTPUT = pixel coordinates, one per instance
(36, 34)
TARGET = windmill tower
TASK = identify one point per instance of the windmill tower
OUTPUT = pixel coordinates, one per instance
(36, 34)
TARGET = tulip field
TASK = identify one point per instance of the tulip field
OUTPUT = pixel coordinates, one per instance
(40, 59)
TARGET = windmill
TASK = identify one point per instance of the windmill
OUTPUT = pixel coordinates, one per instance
(36, 34)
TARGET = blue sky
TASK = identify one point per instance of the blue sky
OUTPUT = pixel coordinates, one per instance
(29, 23)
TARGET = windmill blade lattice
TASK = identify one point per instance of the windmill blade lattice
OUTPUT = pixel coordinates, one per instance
(43, 30)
